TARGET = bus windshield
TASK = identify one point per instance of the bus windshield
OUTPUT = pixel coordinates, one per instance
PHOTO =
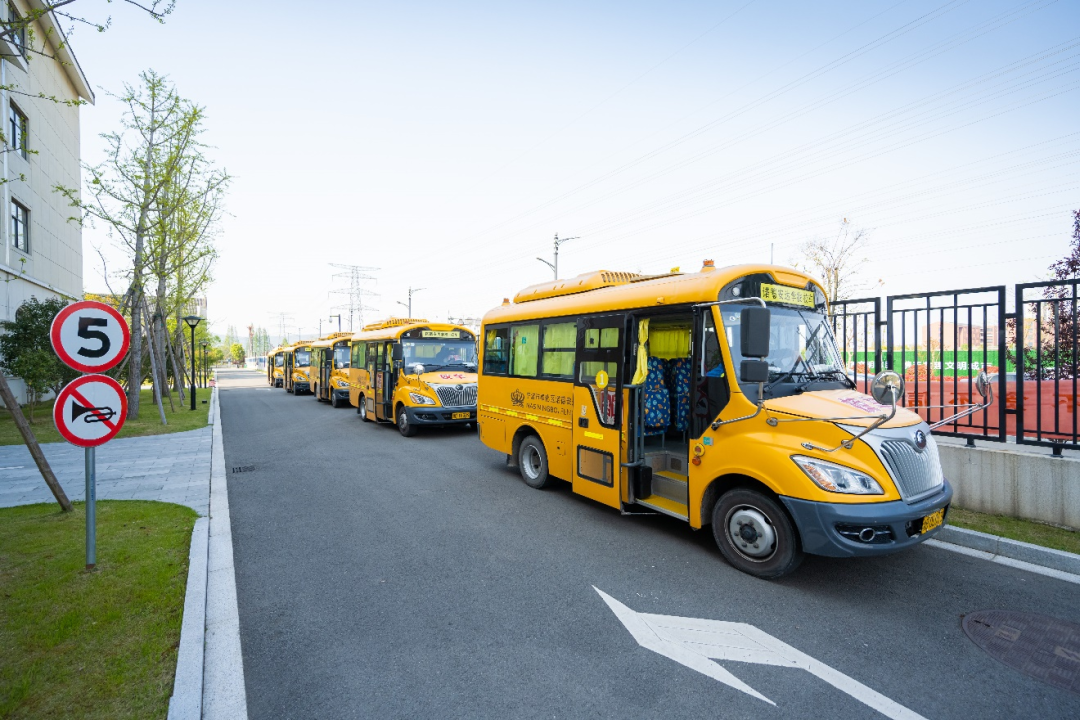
(341, 356)
(430, 355)
(279, 360)
(303, 358)
(802, 351)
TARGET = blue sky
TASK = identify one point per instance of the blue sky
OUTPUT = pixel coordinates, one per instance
(446, 144)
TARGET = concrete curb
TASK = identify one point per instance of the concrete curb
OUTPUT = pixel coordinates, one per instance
(186, 700)
(1058, 560)
(224, 693)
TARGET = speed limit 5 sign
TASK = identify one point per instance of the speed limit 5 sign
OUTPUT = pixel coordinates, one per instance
(90, 336)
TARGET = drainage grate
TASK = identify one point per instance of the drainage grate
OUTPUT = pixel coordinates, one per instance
(1043, 647)
(243, 468)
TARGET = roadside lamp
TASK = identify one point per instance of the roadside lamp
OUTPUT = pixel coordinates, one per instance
(192, 321)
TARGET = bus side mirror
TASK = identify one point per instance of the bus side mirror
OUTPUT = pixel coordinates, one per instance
(754, 332)
(754, 371)
(397, 352)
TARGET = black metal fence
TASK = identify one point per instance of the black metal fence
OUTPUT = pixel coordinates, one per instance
(940, 341)
(1043, 388)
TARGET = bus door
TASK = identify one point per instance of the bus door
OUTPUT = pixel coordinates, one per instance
(598, 408)
(326, 367)
(287, 381)
(384, 382)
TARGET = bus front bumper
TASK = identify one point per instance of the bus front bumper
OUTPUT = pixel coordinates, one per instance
(301, 386)
(832, 529)
(432, 415)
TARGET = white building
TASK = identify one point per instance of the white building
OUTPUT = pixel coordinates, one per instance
(42, 252)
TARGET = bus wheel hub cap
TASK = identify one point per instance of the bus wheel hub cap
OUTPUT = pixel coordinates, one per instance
(751, 532)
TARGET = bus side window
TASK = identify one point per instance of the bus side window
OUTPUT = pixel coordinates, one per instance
(560, 345)
(524, 350)
(496, 351)
(712, 392)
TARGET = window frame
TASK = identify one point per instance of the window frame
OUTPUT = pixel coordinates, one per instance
(18, 130)
(15, 206)
(17, 38)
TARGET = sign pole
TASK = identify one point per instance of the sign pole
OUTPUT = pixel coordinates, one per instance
(91, 510)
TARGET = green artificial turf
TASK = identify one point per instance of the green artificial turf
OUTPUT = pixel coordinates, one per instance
(98, 644)
(1027, 531)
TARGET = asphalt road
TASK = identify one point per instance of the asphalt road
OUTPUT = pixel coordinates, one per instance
(385, 577)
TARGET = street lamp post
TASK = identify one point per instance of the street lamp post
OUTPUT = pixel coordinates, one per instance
(192, 321)
(555, 266)
(409, 304)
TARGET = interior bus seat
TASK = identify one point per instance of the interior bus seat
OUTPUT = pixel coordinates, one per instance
(657, 399)
(678, 382)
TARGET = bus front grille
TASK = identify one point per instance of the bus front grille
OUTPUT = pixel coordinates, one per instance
(917, 474)
(456, 395)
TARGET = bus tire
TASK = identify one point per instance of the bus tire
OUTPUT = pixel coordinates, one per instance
(361, 409)
(533, 463)
(406, 428)
(334, 402)
(755, 535)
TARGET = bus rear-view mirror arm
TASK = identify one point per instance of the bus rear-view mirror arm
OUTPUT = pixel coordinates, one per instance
(984, 388)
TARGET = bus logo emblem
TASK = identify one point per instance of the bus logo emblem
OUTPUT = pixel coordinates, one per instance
(518, 398)
(920, 439)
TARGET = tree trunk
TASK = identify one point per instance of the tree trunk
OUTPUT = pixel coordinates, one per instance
(179, 372)
(154, 372)
(32, 444)
(135, 356)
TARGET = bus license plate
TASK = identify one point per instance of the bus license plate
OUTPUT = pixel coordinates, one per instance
(466, 416)
(933, 520)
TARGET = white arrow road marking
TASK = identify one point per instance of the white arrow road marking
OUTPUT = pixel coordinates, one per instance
(695, 643)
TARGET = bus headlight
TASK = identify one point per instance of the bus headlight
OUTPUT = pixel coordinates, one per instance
(421, 399)
(837, 478)
(342, 383)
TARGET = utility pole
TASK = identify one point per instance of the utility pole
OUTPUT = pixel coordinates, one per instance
(555, 266)
(356, 275)
(409, 304)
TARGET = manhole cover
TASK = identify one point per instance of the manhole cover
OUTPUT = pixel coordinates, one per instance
(1043, 647)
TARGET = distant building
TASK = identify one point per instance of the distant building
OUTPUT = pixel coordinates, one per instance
(42, 252)
(953, 336)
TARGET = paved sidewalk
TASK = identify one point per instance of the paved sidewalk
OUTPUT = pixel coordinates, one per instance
(174, 467)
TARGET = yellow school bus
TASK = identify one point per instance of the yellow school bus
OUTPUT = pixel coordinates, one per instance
(718, 398)
(298, 367)
(330, 358)
(275, 367)
(414, 373)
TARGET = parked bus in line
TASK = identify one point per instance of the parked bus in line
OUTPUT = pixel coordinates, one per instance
(298, 367)
(330, 369)
(275, 367)
(414, 373)
(718, 398)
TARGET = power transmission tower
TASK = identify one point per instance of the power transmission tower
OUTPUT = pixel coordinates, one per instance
(284, 320)
(356, 275)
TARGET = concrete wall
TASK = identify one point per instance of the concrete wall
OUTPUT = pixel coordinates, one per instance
(1004, 481)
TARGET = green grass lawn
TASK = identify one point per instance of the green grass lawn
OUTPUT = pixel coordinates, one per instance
(1015, 529)
(148, 422)
(91, 645)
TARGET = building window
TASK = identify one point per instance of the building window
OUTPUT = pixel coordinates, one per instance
(17, 36)
(18, 130)
(20, 227)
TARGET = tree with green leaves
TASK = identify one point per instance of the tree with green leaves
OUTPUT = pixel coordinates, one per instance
(236, 353)
(26, 350)
(160, 199)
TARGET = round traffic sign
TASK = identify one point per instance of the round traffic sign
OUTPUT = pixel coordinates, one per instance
(90, 336)
(90, 410)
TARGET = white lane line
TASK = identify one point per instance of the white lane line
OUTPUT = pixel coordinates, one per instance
(1002, 560)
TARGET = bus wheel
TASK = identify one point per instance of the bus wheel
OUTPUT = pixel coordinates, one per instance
(334, 401)
(361, 409)
(406, 428)
(755, 535)
(533, 463)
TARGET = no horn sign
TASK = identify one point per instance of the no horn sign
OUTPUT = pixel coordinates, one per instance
(90, 410)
